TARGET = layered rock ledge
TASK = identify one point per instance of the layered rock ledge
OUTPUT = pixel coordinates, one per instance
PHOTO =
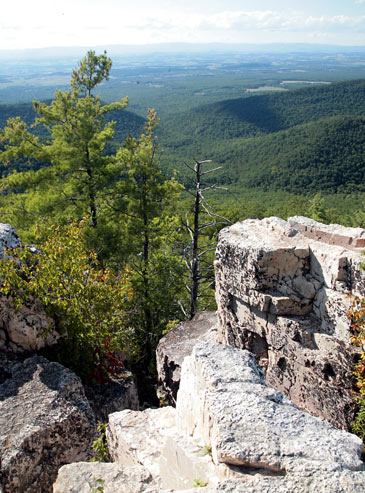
(229, 432)
(282, 292)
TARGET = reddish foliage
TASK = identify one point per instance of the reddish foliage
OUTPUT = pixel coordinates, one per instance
(106, 364)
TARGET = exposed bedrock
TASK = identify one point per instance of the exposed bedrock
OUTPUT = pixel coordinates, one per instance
(230, 432)
(45, 418)
(282, 292)
(21, 330)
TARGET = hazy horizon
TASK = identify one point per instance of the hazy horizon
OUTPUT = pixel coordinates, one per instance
(179, 47)
(85, 23)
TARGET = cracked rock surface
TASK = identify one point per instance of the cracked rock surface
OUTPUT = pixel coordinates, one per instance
(45, 422)
(230, 432)
(282, 293)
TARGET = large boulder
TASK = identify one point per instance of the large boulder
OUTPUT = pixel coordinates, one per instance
(45, 422)
(177, 344)
(282, 292)
(224, 401)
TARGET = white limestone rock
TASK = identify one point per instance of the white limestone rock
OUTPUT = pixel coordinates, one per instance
(333, 234)
(138, 437)
(87, 477)
(8, 238)
(259, 441)
(224, 401)
(305, 482)
(151, 439)
(280, 292)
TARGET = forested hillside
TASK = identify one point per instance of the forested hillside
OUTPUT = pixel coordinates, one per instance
(301, 141)
(307, 140)
(75, 168)
(265, 113)
(326, 155)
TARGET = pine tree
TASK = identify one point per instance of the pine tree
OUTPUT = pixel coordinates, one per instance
(144, 206)
(78, 172)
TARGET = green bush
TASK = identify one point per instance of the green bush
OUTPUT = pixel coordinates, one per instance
(87, 303)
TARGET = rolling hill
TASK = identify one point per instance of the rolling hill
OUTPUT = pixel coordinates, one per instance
(301, 141)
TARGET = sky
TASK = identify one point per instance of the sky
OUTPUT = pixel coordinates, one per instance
(42, 23)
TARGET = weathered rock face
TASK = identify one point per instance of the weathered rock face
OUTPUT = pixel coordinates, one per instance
(21, 331)
(45, 422)
(224, 401)
(8, 238)
(282, 293)
(230, 432)
(177, 344)
(257, 432)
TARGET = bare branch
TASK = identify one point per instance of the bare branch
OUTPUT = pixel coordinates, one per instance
(211, 170)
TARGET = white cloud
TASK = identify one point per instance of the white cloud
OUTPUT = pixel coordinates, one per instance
(85, 23)
(275, 21)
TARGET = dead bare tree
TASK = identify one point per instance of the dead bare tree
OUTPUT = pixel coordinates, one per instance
(203, 228)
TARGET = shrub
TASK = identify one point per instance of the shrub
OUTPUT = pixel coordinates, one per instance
(87, 302)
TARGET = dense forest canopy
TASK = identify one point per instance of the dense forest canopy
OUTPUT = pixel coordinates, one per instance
(242, 128)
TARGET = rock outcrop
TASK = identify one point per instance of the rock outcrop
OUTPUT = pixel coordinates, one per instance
(8, 238)
(282, 293)
(230, 432)
(45, 422)
(86, 477)
(249, 424)
(177, 344)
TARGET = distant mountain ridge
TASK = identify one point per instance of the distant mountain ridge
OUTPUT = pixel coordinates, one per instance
(326, 155)
(267, 113)
(115, 50)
